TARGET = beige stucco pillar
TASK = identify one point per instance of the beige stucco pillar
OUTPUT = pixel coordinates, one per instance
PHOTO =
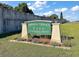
(24, 31)
(55, 37)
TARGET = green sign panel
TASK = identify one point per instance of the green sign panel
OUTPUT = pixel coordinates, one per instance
(39, 28)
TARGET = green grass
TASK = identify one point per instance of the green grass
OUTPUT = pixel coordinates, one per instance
(72, 29)
(21, 49)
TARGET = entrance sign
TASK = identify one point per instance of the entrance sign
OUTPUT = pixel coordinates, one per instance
(39, 28)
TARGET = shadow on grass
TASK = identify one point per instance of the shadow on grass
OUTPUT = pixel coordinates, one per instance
(9, 34)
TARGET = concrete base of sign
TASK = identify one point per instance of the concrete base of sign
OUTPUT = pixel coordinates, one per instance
(55, 37)
(24, 31)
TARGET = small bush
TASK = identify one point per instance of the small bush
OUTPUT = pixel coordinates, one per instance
(56, 44)
(67, 43)
(40, 42)
(45, 42)
(21, 39)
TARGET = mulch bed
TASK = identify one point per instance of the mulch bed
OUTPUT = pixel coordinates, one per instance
(36, 40)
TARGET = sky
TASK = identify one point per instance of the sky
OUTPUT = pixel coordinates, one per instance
(70, 9)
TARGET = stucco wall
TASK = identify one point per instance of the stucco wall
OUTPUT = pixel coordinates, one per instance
(1, 21)
(11, 20)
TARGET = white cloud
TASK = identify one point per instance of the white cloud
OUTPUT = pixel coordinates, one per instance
(31, 7)
(61, 9)
(38, 4)
(75, 8)
(48, 13)
(28, 4)
(40, 8)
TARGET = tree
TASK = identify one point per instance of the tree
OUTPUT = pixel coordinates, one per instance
(62, 19)
(23, 8)
(54, 16)
(6, 6)
(61, 16)
(27, 10)
(1, 5)
(16, 8)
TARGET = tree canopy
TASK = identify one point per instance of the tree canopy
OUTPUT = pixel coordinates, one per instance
(61, 16)
(22, 7)
(54, 16)
(6, 6)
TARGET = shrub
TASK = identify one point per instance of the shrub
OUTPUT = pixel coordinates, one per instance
(67, 43)
(40, 42)
(56, 44)
(35, 40)
(44, 41)
(29, 35)
(21, 39)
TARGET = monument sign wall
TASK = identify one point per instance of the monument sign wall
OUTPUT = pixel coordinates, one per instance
(41, 27)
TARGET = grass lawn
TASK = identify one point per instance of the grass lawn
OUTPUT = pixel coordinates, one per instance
(72, 29)
(21, 49)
